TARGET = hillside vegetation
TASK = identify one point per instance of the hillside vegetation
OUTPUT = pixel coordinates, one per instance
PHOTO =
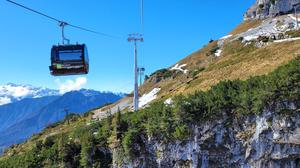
(85, 143)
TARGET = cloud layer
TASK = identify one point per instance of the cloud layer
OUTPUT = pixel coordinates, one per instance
(4, 100)
(70, 85)
(15, 91)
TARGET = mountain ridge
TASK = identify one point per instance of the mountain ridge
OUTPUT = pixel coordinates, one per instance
(27, 116)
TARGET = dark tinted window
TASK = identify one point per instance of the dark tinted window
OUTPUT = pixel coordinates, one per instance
(70, 55)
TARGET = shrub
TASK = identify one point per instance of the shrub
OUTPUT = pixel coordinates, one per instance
(214, 49)
(130, 141)
(182, 132)
(197, 71)
(293, 33)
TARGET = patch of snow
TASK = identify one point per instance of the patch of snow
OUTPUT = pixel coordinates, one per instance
(250, 29)
(169, 101)
(218, 53)
(288, 39)
(148, 97)
(179, 68)
(4, 100)
(269, 28)
(226, 37)
(222, 40)
(250, 37)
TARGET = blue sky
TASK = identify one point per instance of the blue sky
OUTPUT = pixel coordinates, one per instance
(173, 30)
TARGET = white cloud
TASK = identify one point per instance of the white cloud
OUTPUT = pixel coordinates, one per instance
(20, 91)
(15, 91)
(70, 85)
(4, 100)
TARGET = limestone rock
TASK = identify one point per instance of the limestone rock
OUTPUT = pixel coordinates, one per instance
(270, 8)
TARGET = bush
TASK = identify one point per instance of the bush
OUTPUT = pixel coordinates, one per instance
(293, 33)
(182, 132)
(197, 71)
(214, 49)
(163, 73)
(130, 141)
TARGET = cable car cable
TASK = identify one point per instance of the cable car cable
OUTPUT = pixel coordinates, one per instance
(99, 33)
(63, 22)
(32, 10)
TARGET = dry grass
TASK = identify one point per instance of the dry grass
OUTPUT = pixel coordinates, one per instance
(200, 58)
(245, 26)
(258, 62)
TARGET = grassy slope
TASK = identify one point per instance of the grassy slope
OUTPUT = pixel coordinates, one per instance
(244, 64)
(236, 62)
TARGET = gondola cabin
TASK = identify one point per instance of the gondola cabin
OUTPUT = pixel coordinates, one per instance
(69, 60)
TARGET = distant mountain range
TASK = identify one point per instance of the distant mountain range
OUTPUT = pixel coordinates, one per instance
(30, 109)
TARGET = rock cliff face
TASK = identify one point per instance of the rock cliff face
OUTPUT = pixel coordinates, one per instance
(269, 8)
(268, 140)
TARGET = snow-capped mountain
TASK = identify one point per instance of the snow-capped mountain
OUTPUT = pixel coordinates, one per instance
(11, 93)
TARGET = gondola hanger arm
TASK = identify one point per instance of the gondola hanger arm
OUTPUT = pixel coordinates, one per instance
(63, 24)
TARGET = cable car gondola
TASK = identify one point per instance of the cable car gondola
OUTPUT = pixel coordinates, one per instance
(69, 60)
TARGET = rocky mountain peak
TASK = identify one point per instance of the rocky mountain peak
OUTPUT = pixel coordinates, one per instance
(270, 8)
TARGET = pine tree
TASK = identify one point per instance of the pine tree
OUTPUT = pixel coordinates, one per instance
(105, 130)
(109, 118)
(115, 137)
(62, 150)
(87, 150)
(167, 122)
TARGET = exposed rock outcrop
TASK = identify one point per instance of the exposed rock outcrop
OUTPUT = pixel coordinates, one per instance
(269, 8)
(271, 139)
